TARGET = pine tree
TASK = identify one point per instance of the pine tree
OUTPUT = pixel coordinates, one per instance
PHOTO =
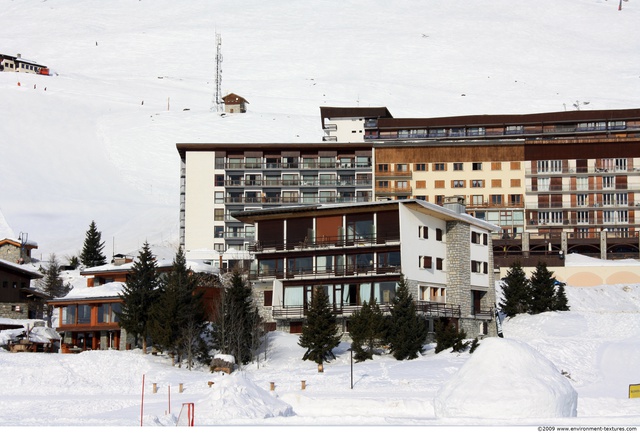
(516, 291)
(92, 250)
(561, 303)
(449, 336)
(320, 333)
(238, 325)
(366, 329)
(408, 331)
(543, 291)
(177, 318)
(52, 285)
(139, 295)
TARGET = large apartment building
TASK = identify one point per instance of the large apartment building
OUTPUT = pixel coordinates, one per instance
(552, 182)
(220, 179)
(358, 252)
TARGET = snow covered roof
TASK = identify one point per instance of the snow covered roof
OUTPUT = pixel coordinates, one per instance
(22, 269)
(109, 290)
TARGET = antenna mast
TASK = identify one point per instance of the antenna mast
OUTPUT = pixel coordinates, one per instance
(217, 98)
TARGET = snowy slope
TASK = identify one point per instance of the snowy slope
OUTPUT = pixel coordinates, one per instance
(99, 143)
(593, 349)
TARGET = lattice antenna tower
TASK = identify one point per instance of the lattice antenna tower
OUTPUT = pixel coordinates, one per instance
(217, 98)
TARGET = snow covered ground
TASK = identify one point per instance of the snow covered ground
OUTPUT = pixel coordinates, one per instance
(593, 349)
(97, 140)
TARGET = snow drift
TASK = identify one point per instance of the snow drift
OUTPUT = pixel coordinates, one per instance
(508, 378)
(236, 397)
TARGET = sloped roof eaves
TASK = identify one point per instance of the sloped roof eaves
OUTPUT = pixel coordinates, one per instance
(19, 269)
(251, 216)
(510, 119)
(367, 112)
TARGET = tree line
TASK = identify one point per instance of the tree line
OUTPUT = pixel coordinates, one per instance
(540, 293)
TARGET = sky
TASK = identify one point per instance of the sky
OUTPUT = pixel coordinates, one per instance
(96, 140)
(558, 369)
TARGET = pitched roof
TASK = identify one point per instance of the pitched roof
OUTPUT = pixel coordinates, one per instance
(232, 98)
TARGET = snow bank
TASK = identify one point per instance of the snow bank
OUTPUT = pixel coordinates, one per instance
(506, 379)
(236, 397)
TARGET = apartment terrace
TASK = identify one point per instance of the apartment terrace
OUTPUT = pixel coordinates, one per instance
(424, 308)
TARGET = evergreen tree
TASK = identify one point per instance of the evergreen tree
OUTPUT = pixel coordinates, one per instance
(516, 291)
(237, 327)
(448, 336)
(543, 291)
(366, 328)
(91, 254)
(561, 303)
(139, 295)
(320, 333)
(408, 331)
(52, 285)
(177, 318)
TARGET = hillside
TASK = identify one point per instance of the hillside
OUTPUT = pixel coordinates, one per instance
(132, 78)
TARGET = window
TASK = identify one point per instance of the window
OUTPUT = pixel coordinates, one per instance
(402, 184)
(581, 199)
(440, 198)
(608, 182)
(622, 199)
(439, 166)
(623, 216)
(383, 167)
(496, 183)
(550, 166)
(438, 234)
(424, 262)
(219, 248)
(458, 166)
(608, 216)
(420, 167)
(421, 183)
(383, 184)
(457, 183)
(84, 314)
(218, 232)
(515, 183)
(496, 199)
(513, 129)
(582, 183)
(582, 217)
(423, 232)
(496, 166)
(515, 165)
(218, 197)
(439, 184)
(608, 200)
(476, 238)
(402, 167)
(219, 180)
(477, 200)
(439, 263)
(268, 298)
(218, 214)
(515, 199)
(479, 183)
(543, 183)
(476, 166)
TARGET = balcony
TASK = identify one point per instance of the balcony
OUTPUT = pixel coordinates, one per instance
(425, 308)
(326, 242)
(393, 173)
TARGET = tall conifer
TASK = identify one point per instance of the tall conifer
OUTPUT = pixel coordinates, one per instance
(543, 291)
(516, 291)
(408, 331)
(92, 249)
(366, 329)
(320, 333)
(139, 296)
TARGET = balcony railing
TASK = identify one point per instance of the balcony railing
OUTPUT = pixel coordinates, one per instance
(393, 173)
(581, 170)
(425, 308)
(295, 200)
(299, 165)
(337, 271)
(242, 183)
(323, 242)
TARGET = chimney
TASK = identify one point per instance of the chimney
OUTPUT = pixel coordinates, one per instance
(456, 204)
(19, 56)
